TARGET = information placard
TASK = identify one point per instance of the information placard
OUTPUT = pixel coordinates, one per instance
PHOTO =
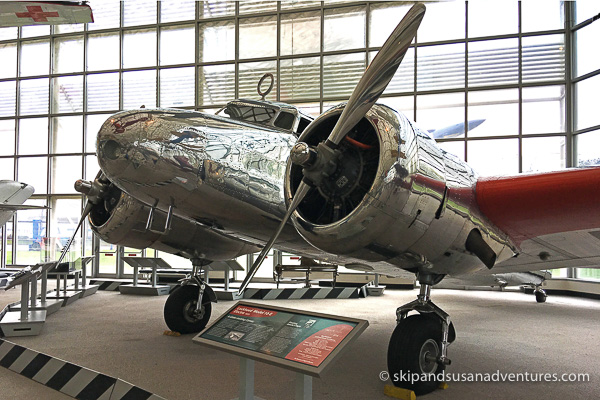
(298, 340)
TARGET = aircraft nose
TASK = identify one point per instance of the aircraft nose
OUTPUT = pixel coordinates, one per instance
(118, 145)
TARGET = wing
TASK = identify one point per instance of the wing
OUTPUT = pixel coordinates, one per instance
(553, 217)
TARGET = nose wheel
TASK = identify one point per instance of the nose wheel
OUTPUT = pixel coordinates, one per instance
(540, 295)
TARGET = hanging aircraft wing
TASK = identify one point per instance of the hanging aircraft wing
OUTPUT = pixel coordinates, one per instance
(553, 217)
(12, 196)
(19, 13)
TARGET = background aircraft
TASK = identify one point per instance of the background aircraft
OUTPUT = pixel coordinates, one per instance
(361, 187)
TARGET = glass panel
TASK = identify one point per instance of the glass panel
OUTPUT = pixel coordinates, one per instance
(7, 166)
(33, 136)
(559, 273)
(103, 92)
(443, 21)
(383, 18)
(35, 30)
(250, 74)
(7, 137)
(103, 52)
(93, 124)
(299, 3)
(587, 149)
(543, 58)
(441, 67)
(585, 10)
(91, 167)
(404, 79)
(544, 109)
(177, 87)
(8, 98)
(586, 41)
(9, 240)
(542, 15)
(65, 171)
(299, 33)
(492, 18)
(588, 273)
(344, 28)
(139, 88)
(457, 148)
(258, 37)
(68, 55)
(257, 6)
(33, 96)
(68, 28)
(498, 108)
(586, 94)
(216, 84)
(106, 14)
(8, 33)
(35, 58)
(443, 115)
(63, 221)
(139, 12)
(177, 45)
(402, 104)
(33, 170)
(494, 62)
(216, 8)
(300, 78)
(341, 74)
(181, 10)
(217, 41)
(108, 258)
(494, 157)
(8, 55)
(312, 109)
(31, 232)
(139, 48)
(543, 154)
(67, 134)
(67, 94)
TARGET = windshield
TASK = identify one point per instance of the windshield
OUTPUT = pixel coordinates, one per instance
(249, 113)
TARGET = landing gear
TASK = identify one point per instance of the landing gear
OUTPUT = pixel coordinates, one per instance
(188, 308)
(417, 352)
(540, 295)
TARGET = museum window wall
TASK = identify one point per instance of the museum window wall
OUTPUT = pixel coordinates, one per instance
(502, 67)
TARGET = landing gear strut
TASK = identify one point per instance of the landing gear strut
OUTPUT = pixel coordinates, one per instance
(417, 352)
(188, 308)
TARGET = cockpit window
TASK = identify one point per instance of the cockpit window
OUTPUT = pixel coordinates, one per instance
(259, 115)
(304, 122)
(285, 120)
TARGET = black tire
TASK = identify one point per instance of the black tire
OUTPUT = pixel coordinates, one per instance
(540, 297)
(413, 338)
(179, 306)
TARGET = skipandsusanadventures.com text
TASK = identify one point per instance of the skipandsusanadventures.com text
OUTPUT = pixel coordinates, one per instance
(497, 376)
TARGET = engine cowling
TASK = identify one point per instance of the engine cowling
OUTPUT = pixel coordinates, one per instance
(366, 194)
(121, 219)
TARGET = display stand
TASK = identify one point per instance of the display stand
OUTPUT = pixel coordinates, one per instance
(226, 266)
(87, 289)
(50, 306)
(154, 289)
(24, 322)
(375, 289)
(256, 332)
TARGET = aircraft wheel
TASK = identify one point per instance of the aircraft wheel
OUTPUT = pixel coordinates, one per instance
(414, 348)
(180, 307)
(540, 296)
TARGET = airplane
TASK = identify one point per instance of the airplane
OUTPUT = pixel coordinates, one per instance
(22, 13)
(455, 130)
(359, 186)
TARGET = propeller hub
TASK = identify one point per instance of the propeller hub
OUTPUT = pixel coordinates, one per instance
(303, 155)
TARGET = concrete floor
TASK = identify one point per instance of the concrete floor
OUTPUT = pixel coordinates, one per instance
(122, 336)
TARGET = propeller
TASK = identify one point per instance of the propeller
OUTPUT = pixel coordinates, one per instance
(320, 162)
(95, 192)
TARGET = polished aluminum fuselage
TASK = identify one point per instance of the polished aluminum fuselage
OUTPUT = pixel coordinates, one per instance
(228, 177)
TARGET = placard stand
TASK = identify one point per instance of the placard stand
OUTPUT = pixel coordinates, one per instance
(303, 382)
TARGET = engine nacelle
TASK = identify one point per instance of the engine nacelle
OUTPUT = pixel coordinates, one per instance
(365, 196)
(121, 219)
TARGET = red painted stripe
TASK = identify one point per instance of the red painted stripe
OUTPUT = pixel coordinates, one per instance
(527, 206)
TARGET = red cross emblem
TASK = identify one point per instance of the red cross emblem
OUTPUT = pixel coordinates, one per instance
(37, 14)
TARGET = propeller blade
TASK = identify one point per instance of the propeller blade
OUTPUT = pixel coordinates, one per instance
(86, 211)
(378, 74)
(302, 190)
